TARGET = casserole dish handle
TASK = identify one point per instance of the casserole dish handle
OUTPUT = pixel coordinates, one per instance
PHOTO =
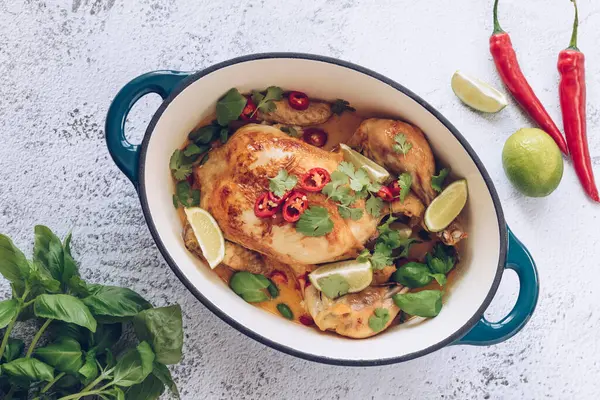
(125, 154)
(487, 333)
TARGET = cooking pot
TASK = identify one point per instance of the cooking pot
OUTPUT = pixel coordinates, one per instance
(489, 250)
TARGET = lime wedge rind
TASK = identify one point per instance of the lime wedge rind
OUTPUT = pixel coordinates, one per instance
(477, 94)
(208, 234)
(447, 206)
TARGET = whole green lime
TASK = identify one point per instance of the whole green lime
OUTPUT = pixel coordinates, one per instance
(533, 162)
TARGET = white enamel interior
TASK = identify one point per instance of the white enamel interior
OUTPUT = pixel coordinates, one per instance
(479, 260)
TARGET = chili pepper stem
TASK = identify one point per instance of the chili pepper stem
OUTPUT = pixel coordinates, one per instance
(573, 44)
(497, 28)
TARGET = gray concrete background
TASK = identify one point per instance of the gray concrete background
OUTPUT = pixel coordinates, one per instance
(62, 62)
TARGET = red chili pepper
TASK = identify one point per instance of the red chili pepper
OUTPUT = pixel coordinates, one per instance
(294, 206)
(315, 179)
(249, 110)
(385, 194)
(508, 67)
(395, 188)
(571, 65)
(279, 200)
(298, 101)
(316, 137)
(306, 320)
(264, 207)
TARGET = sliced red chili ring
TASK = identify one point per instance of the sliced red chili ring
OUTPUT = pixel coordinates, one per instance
(294, 206)
(314, 136)
(249, 110)
(264, 207)
(315, 179)
(395, 188)
(298, 100)
(279, 200)
(385, 194)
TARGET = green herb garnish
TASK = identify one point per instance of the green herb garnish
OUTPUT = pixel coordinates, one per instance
(334, 286)
(86, 320)
(285, 311)
(339, 106)
(315, 222)
(379, 319)
(185, 195)
(180, 166)
(374, 205)
(401, 146)
(249, 286)
(388, 247)
(441, 260)
(282, 183)
(291, 131)
(437, 181)
(266, 102)
(426, 303)
(405, 182)
(230, 106)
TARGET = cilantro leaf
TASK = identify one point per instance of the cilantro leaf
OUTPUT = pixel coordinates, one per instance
(401, 146)
(440, 278)
(180, 167)
(381, 257)
(441, 262)
(379, 319)
(353, 213)
(315, 222)
(185, 195)
(282, 183)
(265, 103)
(437, 181)
(364, 255)
(334, 286)
(339, 178)
(405, 245)
(360, 180)
(347, 168)
(339, 106)
(230, 106)
(193, 150)
(405, 182)
(374, 206)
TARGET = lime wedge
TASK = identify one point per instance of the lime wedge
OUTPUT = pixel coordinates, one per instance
(375, 171)
(477, 94)
(445, 208)
(337, 279)
(208, 234)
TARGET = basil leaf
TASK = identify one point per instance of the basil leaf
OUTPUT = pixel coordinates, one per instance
(78, 287)
(72, 331)
(13, 264)
(89, 370)
(193, 150)
(334, 286)
(230, 106)
(379, 319)
(440, 279)
(48, 250)
(115, 301)
(162, 372)
(204, 134)
(412, 275)
(13, 349)
(64, 355)
(29, 368)
(106, 336)
(117, 393)
(163, 329)
(67, 381)
(134, 366)
(150, 389)
(250, 286)
(64, 308)
(426, 303)
(41, 281)
(8, 310)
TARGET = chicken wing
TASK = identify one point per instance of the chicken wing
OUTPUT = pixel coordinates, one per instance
(317, 113)
(377, 137)
(349, 314)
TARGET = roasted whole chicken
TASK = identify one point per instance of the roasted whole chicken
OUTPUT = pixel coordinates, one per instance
(266, 182)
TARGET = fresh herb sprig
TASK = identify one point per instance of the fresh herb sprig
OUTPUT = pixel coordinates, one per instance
(339, 106)
(87, 322)
(282, 183)
(389, 246)
(315, 221)
(266, 102)
(437, 181)
(402, 146)
(405, 183)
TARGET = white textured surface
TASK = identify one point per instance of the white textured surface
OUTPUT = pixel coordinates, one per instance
(62, 61)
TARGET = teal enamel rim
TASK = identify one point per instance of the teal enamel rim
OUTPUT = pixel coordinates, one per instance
(486, 333)
(131, 160)
(125, 154)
